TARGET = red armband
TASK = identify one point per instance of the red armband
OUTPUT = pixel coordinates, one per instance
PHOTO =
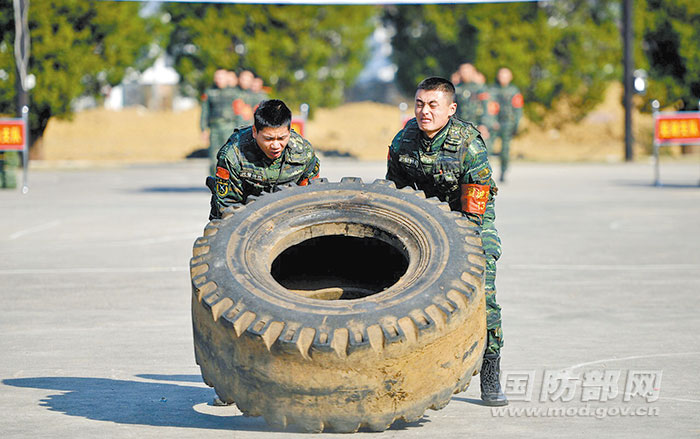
(517, 101)
(474, 198)
(238, 107)
(305, 181)
(494, 108)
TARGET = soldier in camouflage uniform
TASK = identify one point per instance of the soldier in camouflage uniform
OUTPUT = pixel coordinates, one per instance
(507, 106)
(246, 101)
(261, 157)
(9, 160)
(446, 157)
(258, 90)
(218, 119)
(472, 99)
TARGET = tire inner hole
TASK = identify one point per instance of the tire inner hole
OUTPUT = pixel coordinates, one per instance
(339, 267)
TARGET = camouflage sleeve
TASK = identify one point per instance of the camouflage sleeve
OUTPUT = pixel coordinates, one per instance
(487, 118)
(225, 186)
(478, 171)
(312, 169)
(204, 118)
(394, 172)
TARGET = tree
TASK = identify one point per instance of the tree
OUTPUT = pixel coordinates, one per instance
(670, 39)
(559, 52)
(77, 47)
(306, 53)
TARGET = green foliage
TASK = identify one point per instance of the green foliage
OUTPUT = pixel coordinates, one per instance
(306, 53)
(670, 38)
(558, 51)
(77, 47)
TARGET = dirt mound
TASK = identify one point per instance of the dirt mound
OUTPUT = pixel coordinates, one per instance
(131, 134)
(362, 130)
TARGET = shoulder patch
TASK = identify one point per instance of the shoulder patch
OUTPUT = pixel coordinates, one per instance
(222, 173)
(517, 101)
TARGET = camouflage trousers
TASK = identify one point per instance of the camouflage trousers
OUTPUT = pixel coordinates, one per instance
(492, 247)
(494, 333)
(506, 135)
(7, 175)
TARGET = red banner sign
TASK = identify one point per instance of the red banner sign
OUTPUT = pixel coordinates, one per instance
(11, 134)
(682, 128)
(298, 125)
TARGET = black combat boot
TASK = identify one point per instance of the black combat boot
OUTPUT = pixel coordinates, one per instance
(491, 392)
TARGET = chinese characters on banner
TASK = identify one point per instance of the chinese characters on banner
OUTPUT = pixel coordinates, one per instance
(682, 128)
(12, 135)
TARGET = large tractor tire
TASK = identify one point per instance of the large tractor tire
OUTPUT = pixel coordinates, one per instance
(338, 306)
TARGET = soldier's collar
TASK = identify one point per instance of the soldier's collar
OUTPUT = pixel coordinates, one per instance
(438, 138)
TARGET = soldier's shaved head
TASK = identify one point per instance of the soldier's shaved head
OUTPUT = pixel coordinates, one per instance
(272, 113)
(439, 84)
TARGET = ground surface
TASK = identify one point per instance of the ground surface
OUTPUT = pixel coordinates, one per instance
(600, 273)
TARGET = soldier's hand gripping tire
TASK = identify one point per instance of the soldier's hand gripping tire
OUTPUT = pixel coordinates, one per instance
(339, 305)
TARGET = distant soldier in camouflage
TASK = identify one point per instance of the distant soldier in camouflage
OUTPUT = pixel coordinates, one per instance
(246, 101)
(446, 157)
(258, 90)
(261, 157)
(218, 120)
(507, 106)
(8, 162)
(472, 99)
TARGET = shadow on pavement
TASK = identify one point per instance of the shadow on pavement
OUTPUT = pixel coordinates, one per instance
(155, 404)
(134, 402)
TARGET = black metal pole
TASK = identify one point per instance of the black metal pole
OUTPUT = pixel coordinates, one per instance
(628, 43)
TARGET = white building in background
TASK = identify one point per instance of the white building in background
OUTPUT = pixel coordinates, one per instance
(154, 89)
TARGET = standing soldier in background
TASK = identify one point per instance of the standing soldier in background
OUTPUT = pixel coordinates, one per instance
(242, 106)
(259, 93)
(446, 157)
(9, 160)
(218, 120)
(472, 99)
(507, 106)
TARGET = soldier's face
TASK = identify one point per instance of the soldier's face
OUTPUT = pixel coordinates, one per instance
(245, 79)
(504, 77)
(272, 140)
(221, 78)
(433, 110)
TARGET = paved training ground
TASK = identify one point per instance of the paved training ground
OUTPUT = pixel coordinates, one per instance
(600, 275)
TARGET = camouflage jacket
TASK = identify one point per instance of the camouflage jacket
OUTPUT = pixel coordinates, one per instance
(244, 170)
(510, 105)
(472, 101)
(444, 166)
(217, 108)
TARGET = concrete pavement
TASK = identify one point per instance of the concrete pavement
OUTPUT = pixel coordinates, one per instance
(599, 286)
